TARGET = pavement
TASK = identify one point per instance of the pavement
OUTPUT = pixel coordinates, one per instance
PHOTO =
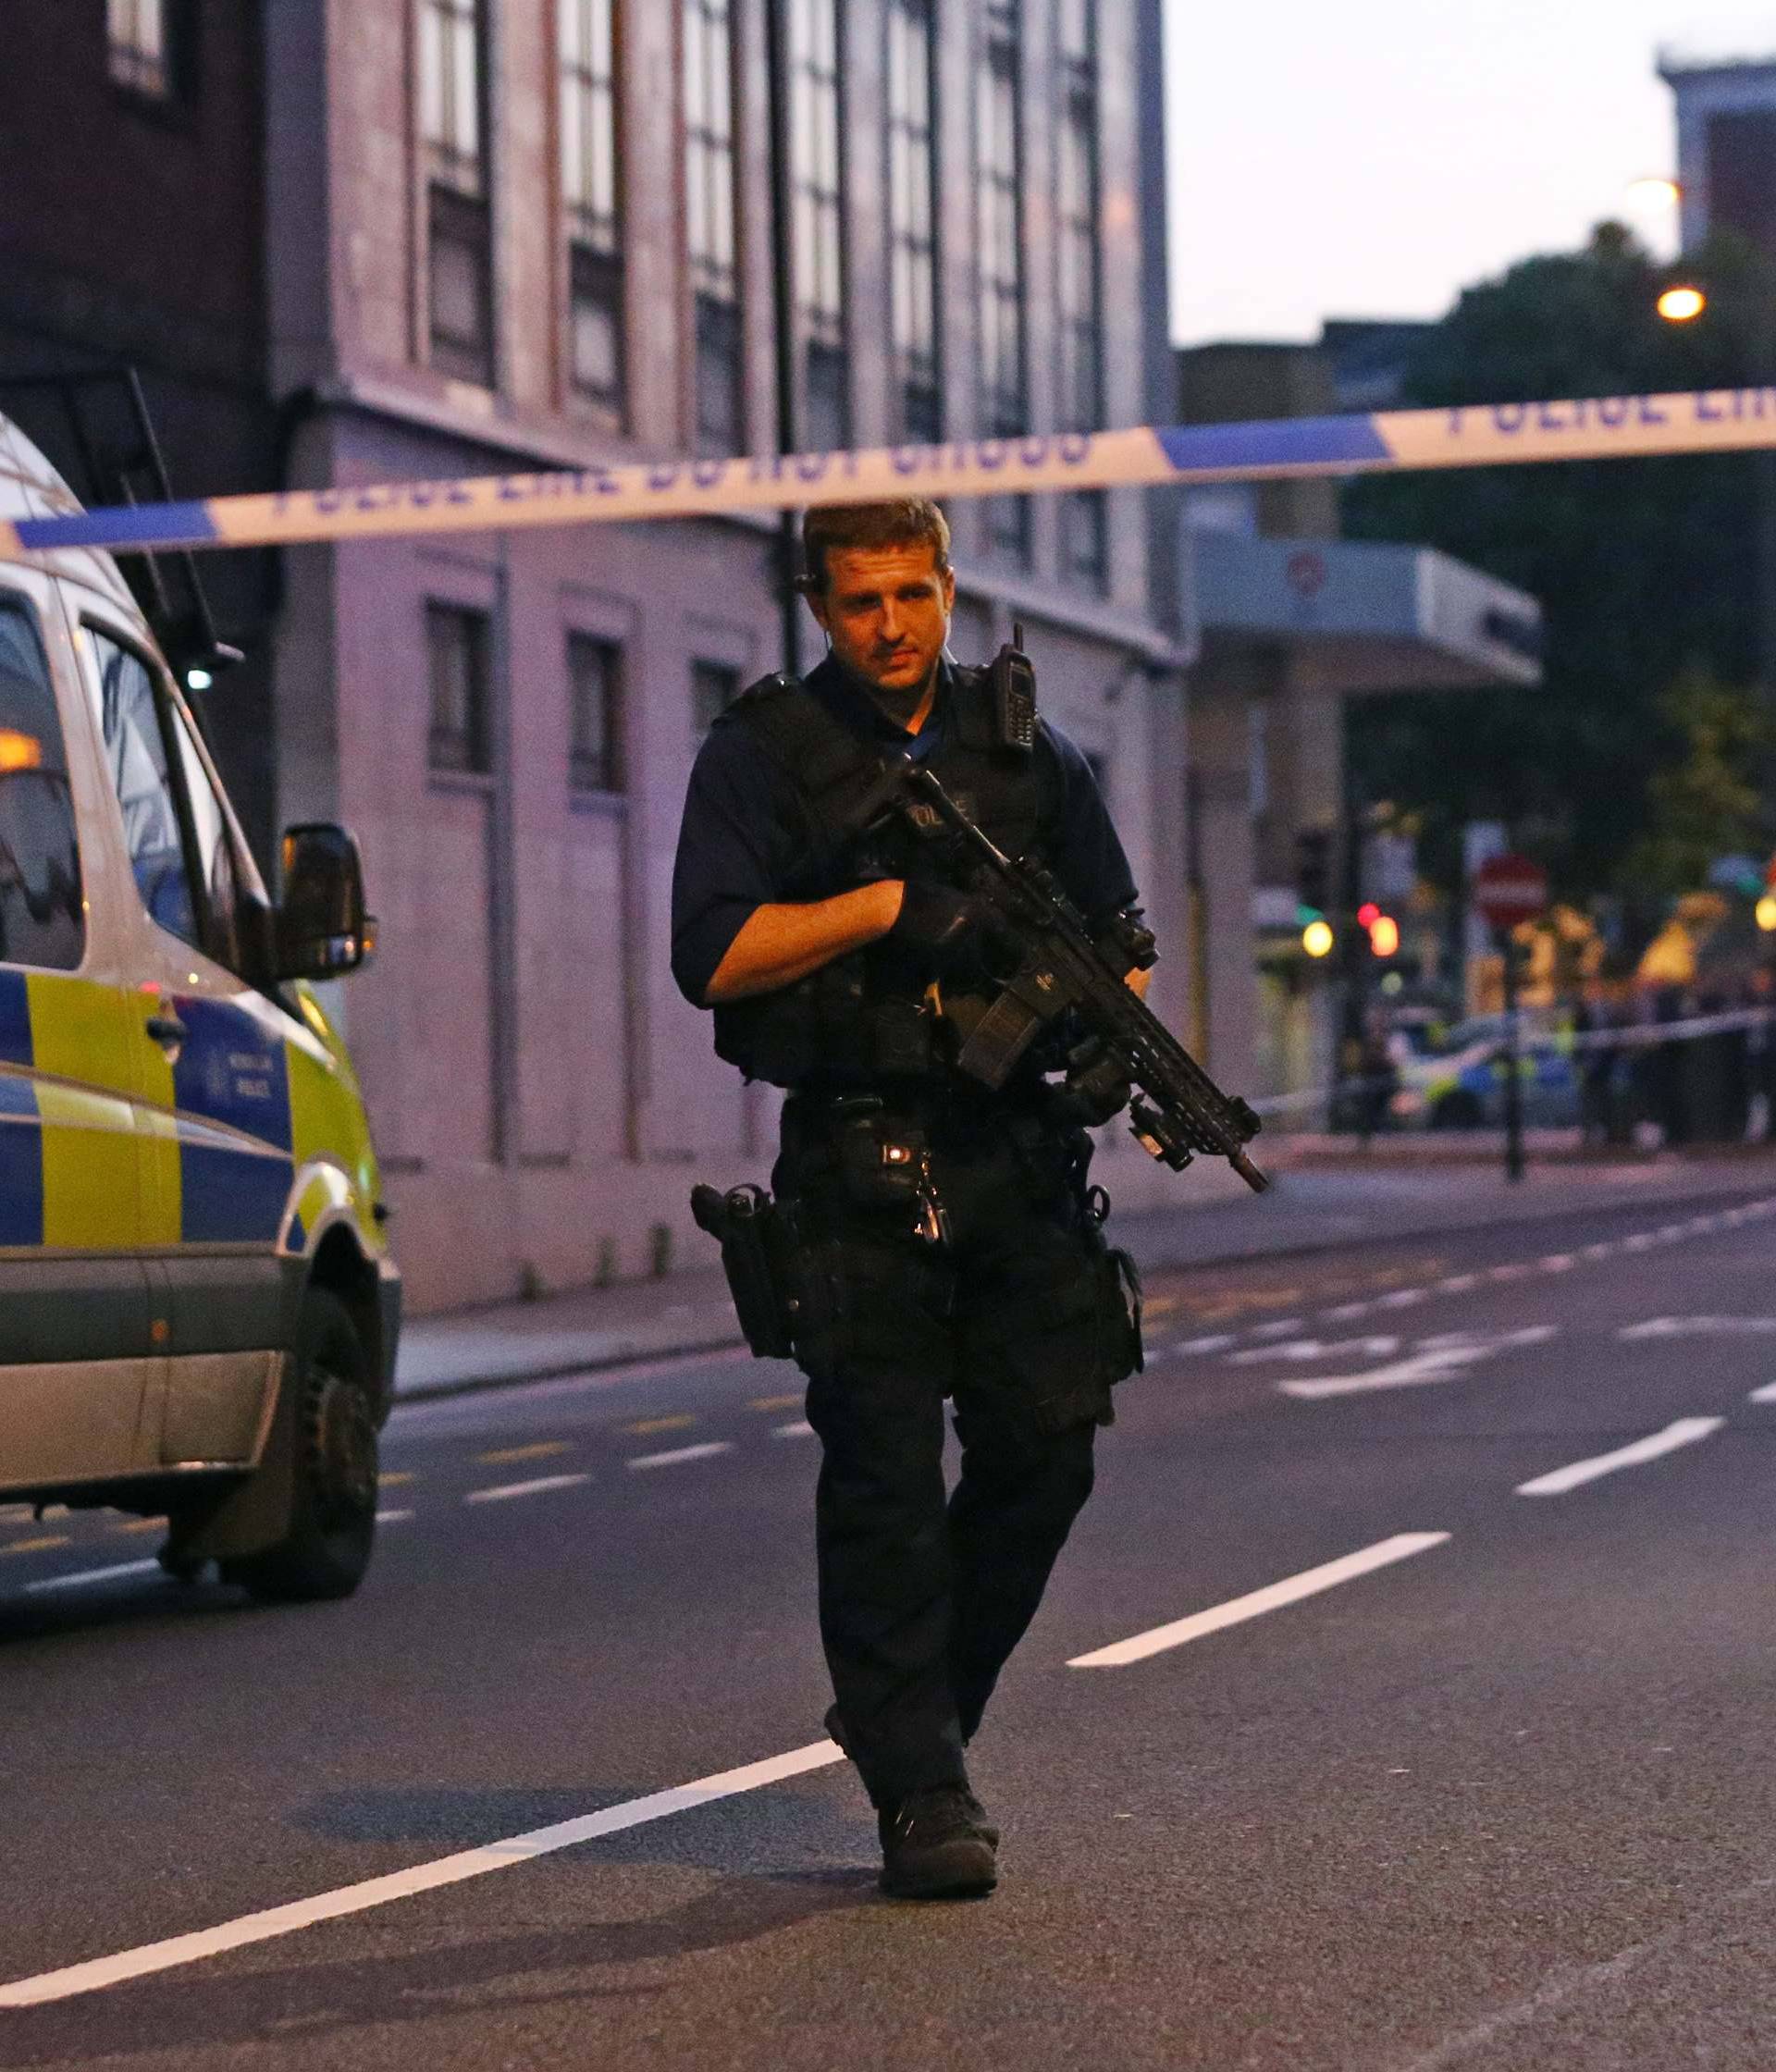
(1401, 1704)
(1324, 1192)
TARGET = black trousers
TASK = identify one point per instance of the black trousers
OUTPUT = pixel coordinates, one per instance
(1020, 1317)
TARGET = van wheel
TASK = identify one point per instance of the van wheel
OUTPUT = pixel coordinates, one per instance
(332, 1519)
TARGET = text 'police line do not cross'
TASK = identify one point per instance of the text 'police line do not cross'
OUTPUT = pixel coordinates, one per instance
(1607, 427)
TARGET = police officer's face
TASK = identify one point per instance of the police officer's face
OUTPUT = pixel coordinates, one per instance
(886, 610)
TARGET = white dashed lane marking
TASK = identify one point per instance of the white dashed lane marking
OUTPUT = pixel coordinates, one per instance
(112, 1574)
(1432, 1360)
(801, 1429)
(1767, 1394)
(1684, 1432)
(1292, 1590)
(1465, 1283)
(1315, 1349)
(1699, 1327)
(504, 1492)
(678, 1455)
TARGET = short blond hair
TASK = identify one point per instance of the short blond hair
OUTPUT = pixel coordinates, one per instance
(899, 522)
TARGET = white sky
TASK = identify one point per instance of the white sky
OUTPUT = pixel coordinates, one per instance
(1371, 158)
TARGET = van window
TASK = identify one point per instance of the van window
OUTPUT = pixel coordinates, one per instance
(42, 918)
(137, 717)
(214, 850)
(135, 752)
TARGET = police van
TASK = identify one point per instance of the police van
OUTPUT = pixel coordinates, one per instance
(198, 1309)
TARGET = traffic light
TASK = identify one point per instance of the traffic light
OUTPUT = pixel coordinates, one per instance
(1314, 869)
(1317, 938)
(1384, 935)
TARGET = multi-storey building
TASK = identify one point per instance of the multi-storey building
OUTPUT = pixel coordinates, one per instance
(433, 238)
(1726, 141)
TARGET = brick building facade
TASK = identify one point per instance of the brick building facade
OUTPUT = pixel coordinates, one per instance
(358, 240)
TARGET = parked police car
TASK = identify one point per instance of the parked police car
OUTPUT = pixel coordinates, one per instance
(198, 1311)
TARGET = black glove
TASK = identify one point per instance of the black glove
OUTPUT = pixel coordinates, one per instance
(958, 935)
(1096, 1087)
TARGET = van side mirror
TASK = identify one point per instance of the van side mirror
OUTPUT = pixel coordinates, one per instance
(322, 929)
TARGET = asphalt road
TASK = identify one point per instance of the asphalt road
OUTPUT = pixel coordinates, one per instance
(1495, 1799)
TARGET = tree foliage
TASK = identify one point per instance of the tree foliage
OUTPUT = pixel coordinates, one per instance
(1703, 803)
(1645, 570)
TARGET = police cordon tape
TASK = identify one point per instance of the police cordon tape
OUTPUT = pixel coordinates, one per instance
(1629, 1036)
(1491, 435)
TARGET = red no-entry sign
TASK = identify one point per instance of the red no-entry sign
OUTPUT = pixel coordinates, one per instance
(1509, 890)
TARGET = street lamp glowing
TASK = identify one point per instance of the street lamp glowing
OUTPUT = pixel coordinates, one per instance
(1384, 935)
(1682, 305)
(1657, 190)
(1767, 913)
(1316, 939)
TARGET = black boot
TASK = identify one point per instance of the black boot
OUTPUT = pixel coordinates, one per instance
(834, 1726)
(935, 1846)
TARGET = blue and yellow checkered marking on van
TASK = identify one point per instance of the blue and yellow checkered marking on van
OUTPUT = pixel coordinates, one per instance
(14, 1019)
(107, 1146)
(21, 1162)
(233, 1070)
(72, 1035)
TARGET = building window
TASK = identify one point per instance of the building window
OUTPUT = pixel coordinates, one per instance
(148, 40)
(711, 237)
(1003, 353)
(1085, 538)
(1081, 274)
(594, 714)
(714, 687)
(452, 100)
(818, 122)
(1740, 143)
(591, 198)
(456, 648)
(912, 220)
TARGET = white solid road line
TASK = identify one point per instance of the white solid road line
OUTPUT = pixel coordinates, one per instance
(92, 1575)
(1292, 1590)
(677, 1454)
(1684, 1432)
(504, 1491)
(176, 1950)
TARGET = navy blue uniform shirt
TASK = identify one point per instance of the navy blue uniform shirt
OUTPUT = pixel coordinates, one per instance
(743, 839)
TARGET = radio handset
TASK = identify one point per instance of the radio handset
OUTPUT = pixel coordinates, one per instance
(1014, 694)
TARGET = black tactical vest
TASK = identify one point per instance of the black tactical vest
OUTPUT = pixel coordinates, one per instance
(865, 1018)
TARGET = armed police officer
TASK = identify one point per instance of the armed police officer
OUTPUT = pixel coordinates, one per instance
(937, 1240)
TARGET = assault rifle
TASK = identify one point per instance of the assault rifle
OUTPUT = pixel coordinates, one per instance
(1065, 970)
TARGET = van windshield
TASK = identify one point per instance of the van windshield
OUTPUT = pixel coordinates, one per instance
(42, 918)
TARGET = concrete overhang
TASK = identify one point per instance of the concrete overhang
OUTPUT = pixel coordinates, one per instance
(1358, 616)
